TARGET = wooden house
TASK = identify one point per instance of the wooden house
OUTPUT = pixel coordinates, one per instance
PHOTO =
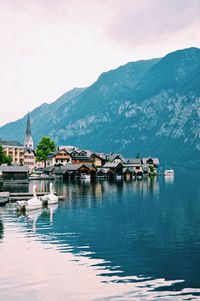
(80, 157)
(60, 157)
(128, 173)
(113, 169)
(97, 159)
(18, 174)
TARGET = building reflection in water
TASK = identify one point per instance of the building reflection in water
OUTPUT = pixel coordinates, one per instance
(1, 229)
(169, 179)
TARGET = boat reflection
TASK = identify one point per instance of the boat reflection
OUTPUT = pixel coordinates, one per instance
(1, 229)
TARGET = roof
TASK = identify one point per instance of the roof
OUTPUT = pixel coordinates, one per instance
(128, 169)
(111, 165)
(10, 143)
(14, 168)
(111, 157)
(29, 150)
(71, 167)
(155, 160)
(57, 152)
(133, 161)
(28, 127)
(145, 167)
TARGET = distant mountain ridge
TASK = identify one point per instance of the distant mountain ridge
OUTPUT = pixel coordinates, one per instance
(151, 107)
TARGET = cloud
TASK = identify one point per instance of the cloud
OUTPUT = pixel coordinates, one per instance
(140, 22)
(50, 46)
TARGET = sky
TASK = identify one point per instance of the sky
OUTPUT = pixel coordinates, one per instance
(48, 47)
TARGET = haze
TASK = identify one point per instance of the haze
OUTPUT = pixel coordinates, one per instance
(50, 46)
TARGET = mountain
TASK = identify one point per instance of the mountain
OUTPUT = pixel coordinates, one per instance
(150, 106)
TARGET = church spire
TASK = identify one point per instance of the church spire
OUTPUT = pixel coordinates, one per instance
(28, 141)
(28, 126)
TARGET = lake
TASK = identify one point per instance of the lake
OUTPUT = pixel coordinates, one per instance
(118, 240)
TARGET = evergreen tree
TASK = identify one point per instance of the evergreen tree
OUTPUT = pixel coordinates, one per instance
(4, 159)
(2, 155)
(45, 147)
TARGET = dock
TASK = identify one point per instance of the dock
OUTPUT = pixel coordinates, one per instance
(6, 196)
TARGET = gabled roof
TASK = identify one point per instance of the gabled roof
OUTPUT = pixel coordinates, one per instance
(10, 143)
(57, 152)
(155, 160)
(111, 157)
(14, 168)
(145, 167)
(111, 165)
(128, 169)
(29, 150)
(133, 161)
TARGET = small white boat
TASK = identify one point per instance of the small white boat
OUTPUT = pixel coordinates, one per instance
(50, 198)
(169, 172)
(32, 204)
(85, 176)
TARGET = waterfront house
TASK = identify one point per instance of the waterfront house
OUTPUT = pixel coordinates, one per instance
(60, 157)
(98, 159)
(14, 150)
(128, 173)
(145, 169)
(81, 156)
(115, 158)
(101, 173)
(113, 169)
(153, 163)
(76, 170)
(17, 174)
(135, 163)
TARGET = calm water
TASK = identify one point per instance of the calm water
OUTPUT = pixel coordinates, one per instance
(137, 240)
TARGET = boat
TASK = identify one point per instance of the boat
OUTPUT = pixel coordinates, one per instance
(50, 198)
(85, 176)
(169, 172)
(32, 204)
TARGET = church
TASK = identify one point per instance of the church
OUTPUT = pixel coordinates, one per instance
(29, 153)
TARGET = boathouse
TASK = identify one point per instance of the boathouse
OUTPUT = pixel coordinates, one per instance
(18, 174)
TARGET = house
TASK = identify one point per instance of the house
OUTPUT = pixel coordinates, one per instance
(136, 164)
(115, 158)
(18, 174)
(145, 169)
(113, 169)
(98, 159)
(81, 156)
(14, 150)
(60, 157)
(153, 163)
(29, 158)
(128, 173)
(75, 170)
(101, 173)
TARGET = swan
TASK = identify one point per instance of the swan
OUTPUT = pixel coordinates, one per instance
(50, 198)
(31, 204)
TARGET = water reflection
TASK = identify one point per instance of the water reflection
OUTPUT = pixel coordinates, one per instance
(144, 234)
(1, 229)
(169, 179)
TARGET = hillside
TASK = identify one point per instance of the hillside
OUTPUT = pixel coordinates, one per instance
(151, 107)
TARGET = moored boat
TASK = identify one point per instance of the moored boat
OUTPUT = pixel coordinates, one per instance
(169, 172)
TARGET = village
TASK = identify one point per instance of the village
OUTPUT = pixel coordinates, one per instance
(70, 162)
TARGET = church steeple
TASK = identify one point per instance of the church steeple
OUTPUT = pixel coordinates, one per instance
(28, 141)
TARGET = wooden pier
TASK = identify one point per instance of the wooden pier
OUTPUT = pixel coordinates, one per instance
(6, 197)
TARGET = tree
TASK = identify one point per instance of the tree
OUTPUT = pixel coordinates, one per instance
(4, 158)
(45, 147)
(2, 155)
(138, 156)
